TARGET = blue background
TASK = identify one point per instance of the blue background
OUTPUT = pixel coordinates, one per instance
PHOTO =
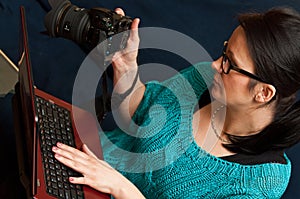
(56, 61)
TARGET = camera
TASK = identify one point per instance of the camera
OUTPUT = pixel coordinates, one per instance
(87, 27)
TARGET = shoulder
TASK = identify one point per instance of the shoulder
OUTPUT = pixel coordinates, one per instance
(268, 179)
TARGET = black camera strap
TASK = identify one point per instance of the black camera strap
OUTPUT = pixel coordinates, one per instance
(109, 101)
(106, 97)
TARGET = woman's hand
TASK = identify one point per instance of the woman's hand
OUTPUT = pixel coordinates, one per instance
(96, 173)
(126, 78)
(126, 59)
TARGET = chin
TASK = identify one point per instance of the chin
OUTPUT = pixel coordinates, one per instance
(218, 94)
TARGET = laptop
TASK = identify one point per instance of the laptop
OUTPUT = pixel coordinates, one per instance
(41, 120)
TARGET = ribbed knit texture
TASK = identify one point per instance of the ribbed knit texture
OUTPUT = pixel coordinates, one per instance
(162, 158)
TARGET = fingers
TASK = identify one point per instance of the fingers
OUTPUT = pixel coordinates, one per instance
(135, 24)
(134, 33)
(75, 159)
(67, 150)
(77, 180)
(86, 163)
(120, 11)
(129, 54)
(69, 155)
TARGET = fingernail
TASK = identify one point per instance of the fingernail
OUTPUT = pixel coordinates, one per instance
(57, 156)
(54, 148)
(71, 179)
(58, 144)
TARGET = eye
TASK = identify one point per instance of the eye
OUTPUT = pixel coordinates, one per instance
(231, 62)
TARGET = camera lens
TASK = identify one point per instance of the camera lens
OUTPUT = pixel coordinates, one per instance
(87, 27)
(67, 20)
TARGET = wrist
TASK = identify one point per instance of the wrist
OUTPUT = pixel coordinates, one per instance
(127, 190)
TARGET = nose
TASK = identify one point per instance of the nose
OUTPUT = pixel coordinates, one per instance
(217, 65)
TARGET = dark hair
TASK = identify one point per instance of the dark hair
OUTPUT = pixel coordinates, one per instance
(273, 39)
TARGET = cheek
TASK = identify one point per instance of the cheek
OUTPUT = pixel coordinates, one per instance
(234, 90)
(231, 89)
(237, 90)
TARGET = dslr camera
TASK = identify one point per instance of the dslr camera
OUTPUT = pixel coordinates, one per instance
(88, 27)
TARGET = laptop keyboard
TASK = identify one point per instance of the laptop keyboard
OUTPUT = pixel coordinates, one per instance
(55, 126)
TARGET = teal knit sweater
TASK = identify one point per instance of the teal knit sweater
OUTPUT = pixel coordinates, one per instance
(160, 156)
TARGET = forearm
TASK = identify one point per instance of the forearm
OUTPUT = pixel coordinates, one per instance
(128, 89)
(127, 95)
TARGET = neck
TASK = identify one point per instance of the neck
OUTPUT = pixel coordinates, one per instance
(244, 121)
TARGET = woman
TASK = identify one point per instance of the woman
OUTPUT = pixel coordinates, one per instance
(229, 147)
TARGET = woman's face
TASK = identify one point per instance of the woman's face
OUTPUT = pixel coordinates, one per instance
(234, 88)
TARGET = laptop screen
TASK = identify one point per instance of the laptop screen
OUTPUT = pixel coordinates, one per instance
(27, 100)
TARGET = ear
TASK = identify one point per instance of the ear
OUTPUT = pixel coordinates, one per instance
(265, 93)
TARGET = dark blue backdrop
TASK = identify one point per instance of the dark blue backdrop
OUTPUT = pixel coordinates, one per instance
(56, 60)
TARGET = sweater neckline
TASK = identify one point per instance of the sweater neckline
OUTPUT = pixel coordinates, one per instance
(202, 153)
(221, 159)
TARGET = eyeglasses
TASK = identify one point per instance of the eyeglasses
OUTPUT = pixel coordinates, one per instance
(227, 65)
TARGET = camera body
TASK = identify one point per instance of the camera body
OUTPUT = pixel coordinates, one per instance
(88, 27)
